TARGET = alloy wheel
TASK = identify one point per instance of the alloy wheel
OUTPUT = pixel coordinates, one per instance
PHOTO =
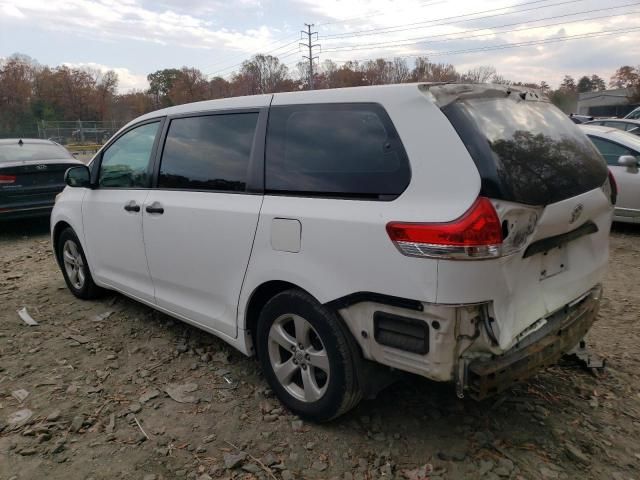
(298, 358)
(73, 264)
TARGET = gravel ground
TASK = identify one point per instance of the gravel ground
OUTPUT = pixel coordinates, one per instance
(116, 390)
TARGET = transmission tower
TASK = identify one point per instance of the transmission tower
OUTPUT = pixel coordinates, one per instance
(310, 45)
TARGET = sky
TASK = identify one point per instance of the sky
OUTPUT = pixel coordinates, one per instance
(525, 40)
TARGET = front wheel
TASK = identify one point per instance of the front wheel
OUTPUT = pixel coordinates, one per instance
(74, 266)
(308, 356)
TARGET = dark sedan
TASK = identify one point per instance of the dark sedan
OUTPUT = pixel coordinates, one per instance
(31, 175)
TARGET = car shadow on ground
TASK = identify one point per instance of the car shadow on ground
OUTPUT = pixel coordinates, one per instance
(626, 228)
(14, 229)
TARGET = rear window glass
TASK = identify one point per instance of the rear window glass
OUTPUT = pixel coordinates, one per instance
(32, 151)
(526, 151)
(343, 150)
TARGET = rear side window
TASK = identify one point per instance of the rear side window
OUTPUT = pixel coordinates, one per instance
(342, 150)
(611, 151)
(208, 153)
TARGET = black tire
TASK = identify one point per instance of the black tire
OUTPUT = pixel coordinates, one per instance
(342, 391)
(87, 290)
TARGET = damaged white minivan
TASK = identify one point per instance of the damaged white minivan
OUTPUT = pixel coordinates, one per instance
(458, 232)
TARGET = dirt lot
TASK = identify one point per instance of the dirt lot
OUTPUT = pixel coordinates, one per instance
(97, 395)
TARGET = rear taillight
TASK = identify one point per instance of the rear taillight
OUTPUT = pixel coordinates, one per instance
(610, 188)
(475, 235)
(7, 179)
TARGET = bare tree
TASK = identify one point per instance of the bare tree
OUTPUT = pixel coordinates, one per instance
(481, 74)
(425, 71)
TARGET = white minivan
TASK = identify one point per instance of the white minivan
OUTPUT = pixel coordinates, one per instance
(458, 232)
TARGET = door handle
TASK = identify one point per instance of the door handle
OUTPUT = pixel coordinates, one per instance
(155, 207)
(132, 207)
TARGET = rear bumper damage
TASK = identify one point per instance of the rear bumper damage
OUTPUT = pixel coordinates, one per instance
(562, 331)
(455, 343)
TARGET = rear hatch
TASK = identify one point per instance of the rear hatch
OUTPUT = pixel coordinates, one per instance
(548, 185)
(32, 174)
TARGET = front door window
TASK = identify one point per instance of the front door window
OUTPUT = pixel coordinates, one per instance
(125, 164)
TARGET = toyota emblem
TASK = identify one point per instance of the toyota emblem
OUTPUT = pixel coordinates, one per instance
(576, 212)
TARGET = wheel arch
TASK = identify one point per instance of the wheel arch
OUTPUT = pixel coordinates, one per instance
(259, 298)
(59, 227)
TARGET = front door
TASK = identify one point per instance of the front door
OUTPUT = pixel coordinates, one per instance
(200, 221)
(627, 178)
(112, 213)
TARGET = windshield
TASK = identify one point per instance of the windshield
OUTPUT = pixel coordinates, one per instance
(526, 151)
(15, 152)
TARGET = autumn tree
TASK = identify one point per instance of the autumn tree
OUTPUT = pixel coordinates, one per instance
(425, 71)
(584, 85)
(16, 91)
(597, 83)
(160, 83)
(261, 74)
(131, 105)
(384, 72)
(568, 84)
(219, 88)
(105, 91)
(349, 74)
(625, 77)
(590, 84)
(190, 85)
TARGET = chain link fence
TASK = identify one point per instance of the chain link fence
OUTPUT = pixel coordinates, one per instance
(79, 132)
(79, 135)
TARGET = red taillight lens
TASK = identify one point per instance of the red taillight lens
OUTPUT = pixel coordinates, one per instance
(476, 234)
(7, 179)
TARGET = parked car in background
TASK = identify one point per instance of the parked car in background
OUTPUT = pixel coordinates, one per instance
(458, 232)
(631, 126)
(575, 118)
(621, 150)
(634, 114)
(31, 175)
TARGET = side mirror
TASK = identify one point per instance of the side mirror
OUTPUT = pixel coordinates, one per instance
(628, 161)
(79, 176)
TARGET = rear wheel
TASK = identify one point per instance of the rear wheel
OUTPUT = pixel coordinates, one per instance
(308, 356)
(75, 268)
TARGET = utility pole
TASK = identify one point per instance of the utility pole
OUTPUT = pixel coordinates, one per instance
(310, 45)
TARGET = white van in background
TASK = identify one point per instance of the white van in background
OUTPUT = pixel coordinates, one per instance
(458, 232)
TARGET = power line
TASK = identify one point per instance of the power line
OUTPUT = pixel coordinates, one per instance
(505, 46)
(454, 19)
(420, 40)
(233, 57)
(246, 58)
(380, 12)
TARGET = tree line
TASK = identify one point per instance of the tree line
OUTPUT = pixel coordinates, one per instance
(30, 92)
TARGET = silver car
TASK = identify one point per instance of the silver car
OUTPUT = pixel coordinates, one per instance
(621, 150)
(626, 125)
